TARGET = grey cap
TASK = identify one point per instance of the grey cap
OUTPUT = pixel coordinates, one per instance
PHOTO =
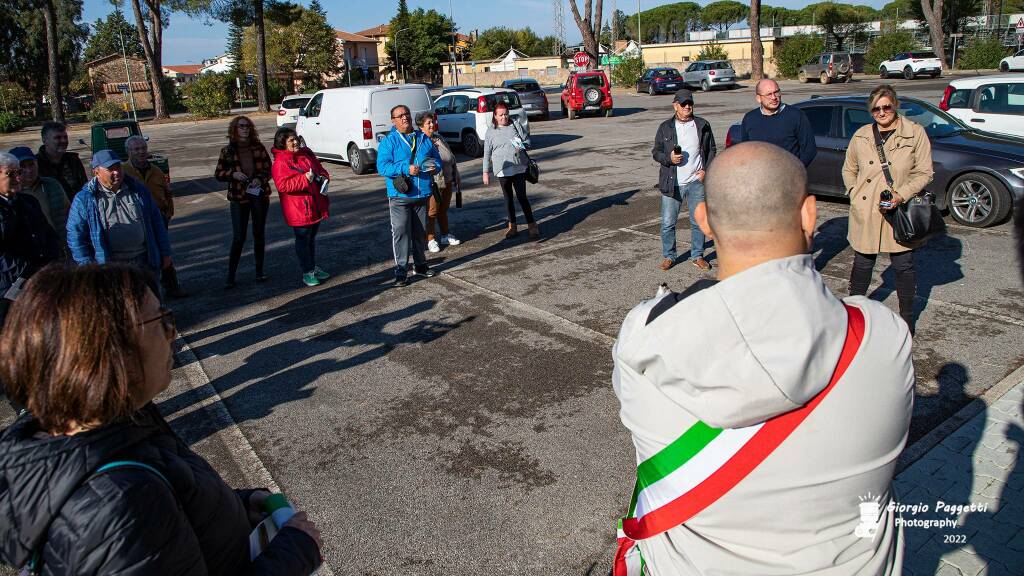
(683, 96)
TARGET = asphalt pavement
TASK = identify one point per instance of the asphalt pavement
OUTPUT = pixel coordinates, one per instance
(466, 424)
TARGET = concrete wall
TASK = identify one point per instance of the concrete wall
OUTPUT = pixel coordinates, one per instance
(495, 78)
(680, 54)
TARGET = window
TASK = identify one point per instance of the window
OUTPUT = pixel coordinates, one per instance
(691, 67)
(592, 80)
(721, 65)
(920, 55)
(461, 104)
(935, 123)
(821, 119)
(313, 108)
(824, 59)
(294, 103)
(854, 118)
(551, 70)
(523, 86)
(443, 105)
(509, 98)
(960, 98)
(669, 72)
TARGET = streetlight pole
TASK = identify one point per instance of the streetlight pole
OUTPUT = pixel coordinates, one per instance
(397, 67)
(454, 65)
(127, 70)
(639, 34)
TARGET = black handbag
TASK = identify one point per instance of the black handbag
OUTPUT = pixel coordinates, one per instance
(532, 170)
(915, 220)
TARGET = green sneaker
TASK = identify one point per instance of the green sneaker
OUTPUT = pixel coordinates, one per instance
(320, 274)
(310, 279)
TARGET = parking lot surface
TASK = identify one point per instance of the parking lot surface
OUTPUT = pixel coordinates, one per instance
(466, 423)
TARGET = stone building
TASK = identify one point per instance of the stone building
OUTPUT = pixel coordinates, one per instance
(108, 80)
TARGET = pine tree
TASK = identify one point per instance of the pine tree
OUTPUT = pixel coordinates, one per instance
(319, 54)
(234, 47)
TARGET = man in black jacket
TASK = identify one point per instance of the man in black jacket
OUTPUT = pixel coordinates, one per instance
(56, 162)
(684, 146)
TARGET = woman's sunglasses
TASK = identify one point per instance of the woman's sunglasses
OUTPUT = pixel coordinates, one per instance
(882, 108)
(166, 319)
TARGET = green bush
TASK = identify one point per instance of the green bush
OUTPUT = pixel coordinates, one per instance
(796, 51)
(172, 99)
(981, 54)
(10, 122)
(209, 96)
(105, 110)
(885, 47)
(628, 71)
(712, 51)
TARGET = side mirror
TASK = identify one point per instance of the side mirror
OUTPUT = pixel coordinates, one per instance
(302, 111)
(146, 138)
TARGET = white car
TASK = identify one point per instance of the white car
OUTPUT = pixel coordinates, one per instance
(463, 116)
(911, 64)
(989, 103)
(347, 123)
(288, 111)
(1015, 62)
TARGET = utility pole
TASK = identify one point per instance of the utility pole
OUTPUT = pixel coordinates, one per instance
(455, 46)
(639, 34)
(558, 14)
(127, 70)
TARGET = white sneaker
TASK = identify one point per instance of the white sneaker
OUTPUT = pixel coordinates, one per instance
(433, 247)
(449, 239)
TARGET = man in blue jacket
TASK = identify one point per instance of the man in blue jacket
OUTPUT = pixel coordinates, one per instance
(785, 126)
(407, 160)
(114, 219)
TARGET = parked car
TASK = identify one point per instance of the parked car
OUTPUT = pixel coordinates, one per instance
(1015, 62)
(828, 67)
(347, 123)
(587, 92)
(659, 80)
(978, 175)
(113, 134)
(910, 65)
(990, 103)
(710, 73)
(456, 88)
(463, 116)
(288, 112)
(531, 96)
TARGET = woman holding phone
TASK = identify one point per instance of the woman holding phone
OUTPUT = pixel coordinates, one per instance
(502, 146)
(888, 162)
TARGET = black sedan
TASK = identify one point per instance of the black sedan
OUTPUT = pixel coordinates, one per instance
(978, 175)
(658, 80)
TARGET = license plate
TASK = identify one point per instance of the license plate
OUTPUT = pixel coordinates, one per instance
(527, 106)
(670, 85)
(598, 107)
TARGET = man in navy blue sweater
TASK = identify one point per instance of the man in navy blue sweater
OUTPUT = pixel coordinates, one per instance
(785, 126)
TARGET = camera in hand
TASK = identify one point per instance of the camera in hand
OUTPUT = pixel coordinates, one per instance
(886, 197)
(319, 180)
(677, 150)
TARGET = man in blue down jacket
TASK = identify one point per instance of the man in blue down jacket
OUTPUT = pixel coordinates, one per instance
(407, 154)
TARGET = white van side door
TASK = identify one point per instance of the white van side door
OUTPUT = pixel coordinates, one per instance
(309, 127)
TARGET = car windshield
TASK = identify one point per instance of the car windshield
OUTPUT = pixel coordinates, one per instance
(718, 66)
(666, 72)
(935, 122)
(524, 86)
(509, 98)
(923, 55)
(591, 80)
(294, 103)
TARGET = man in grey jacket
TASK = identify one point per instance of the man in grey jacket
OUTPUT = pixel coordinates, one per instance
(684, 146)
(742, 355)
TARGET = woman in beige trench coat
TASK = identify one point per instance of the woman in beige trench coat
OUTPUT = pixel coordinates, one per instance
(909, 154)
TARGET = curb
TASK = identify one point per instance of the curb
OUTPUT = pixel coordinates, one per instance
(976, 406)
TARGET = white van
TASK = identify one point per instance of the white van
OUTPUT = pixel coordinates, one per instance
(347, 123)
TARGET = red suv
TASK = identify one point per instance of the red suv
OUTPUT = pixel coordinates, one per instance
(586, 92)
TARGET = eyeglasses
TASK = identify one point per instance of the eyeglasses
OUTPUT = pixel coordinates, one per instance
(687, 105)
(770, 94)
(166, 319)
(405, 115)
(883, 108)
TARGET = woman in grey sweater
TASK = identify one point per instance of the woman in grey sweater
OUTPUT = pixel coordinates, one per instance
(503, 147)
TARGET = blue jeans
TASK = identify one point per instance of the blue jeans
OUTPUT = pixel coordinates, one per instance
(694, 194)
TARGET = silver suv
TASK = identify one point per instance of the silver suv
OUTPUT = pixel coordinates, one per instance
(828, 67)
(709, 73)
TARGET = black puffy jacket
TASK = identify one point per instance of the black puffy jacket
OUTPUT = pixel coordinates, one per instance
(127, 521)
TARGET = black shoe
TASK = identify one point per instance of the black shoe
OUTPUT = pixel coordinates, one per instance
(401, 282)
(426, 272)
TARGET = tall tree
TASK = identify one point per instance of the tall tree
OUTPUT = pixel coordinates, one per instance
(590, 27)
(756, 48)
(840, 21)
(932, 10)
(494, 42)
(262, 98)
(106, 37)
(398, 42)
(234, 46)
(53, 60)
(152, 45)
(723, 14)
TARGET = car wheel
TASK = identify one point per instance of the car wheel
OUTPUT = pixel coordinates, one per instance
(848, 78)
(802, 76)
(1004, 67)
(565, 114)
(545, 116)
(608, 112)
(978, 200)
(573, 114)
(883, 73)
(651, 90)
(908, 73)
(356, 160)
(936, 75)
(705, 86)
(471, 144)
(824, 78)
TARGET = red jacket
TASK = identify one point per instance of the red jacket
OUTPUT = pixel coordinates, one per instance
(301, 200)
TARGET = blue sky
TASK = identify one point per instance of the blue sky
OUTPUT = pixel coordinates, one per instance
(188, 41)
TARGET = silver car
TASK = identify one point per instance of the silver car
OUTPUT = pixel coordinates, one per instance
(710, 74)
(531, 95)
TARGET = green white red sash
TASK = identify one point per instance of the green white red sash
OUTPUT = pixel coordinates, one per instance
(704, 463)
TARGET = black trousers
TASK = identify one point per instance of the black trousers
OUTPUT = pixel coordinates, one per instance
(240, 214)
(517, 183)
(906, 283)
(305, 246)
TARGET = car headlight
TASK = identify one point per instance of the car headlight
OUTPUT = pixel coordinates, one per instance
(1018, 172)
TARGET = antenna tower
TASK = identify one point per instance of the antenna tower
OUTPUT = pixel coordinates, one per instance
(558, 13)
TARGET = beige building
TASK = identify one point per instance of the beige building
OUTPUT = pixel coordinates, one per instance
(109, 80)
(680, 54)
(547, 70)
(379, 35)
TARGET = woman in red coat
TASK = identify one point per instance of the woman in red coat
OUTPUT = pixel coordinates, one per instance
(299, 177)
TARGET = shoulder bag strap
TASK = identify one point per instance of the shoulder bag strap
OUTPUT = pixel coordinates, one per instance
(881, 155)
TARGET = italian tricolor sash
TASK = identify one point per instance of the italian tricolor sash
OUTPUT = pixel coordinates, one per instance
(704, 463)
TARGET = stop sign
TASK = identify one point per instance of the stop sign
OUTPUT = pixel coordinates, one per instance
(581, 60)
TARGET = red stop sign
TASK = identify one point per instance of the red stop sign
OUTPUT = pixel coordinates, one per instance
(581, 60)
